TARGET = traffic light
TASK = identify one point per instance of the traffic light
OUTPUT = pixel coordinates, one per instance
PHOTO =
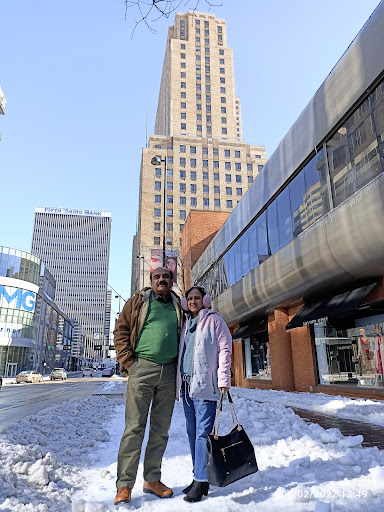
(98, 347)
(67, 347)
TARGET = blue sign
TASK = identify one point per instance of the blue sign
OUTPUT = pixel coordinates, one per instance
(17, 298)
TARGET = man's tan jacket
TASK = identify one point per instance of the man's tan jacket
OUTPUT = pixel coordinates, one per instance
(130, 323)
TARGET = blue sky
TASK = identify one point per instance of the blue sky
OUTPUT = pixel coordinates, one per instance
(79, 89)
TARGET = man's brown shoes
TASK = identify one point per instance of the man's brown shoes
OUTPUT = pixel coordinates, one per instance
(158, 488)
(123, 495)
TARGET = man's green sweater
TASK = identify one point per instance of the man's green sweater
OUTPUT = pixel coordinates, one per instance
(158, 340)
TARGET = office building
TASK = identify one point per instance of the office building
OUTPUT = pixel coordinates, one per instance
(74, 244)
(203, 162)
(35, 334)
(297, 269)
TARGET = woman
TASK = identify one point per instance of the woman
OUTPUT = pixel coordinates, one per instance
(204, 371)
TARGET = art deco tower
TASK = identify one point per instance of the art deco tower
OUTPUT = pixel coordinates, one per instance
(205, 165)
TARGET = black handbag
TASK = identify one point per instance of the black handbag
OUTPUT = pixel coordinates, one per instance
(229, 457)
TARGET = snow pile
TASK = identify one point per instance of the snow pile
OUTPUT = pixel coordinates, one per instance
(47, 462)
(357, 409)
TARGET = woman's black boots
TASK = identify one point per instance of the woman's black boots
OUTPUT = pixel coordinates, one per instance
(187, 489)
(198, 490)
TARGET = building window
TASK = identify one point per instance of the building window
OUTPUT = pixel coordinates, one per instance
(183, 104)
(183, 115)
(228, 178)
(158, 185)
(224, 131)
(207, 68)
(197, 39)
(193, 188)
(198, 97)
(170, 199)
(207, 78)
(238, 166)
(223, 100)
(223, 120)
(229, 203)
(205, 176)
(216, 202)
(209, 119)
(260, 167)
(182, 47)
(198, 77)
(222, 90)
(156, 226)
(193, 201)
(183, 74)
(198, 117)
(182, 175)
(216, 189)
(198, 87)
(208, 98)
(198, 106)
(169, 213)
(183, 126)
(169, 226)
(183, 85)
(239, 191)
(181, 227)
(182, 214)
(198, 58)
(205, 163)
(237, 154)
(257, 156)
(157, 171)
(169, 172)
(208, 88)
(182, 55)
(182, 149)
(197, 22)
(205, 201)
(156, 240)
(206, 23)
(192, 149)
(205, 151)
(223, 110)
(250, 179)
(182, 162)
(193, 175)
(222, 71)
(205, 189)
(249, 167)
(170, 159)
(227, 165)
(238, 178)
(209, 129)
(157, 212)
(208, 108)
(183, 200)
(221, 52)
(228, 191)
(215, 151)
(157, 198)
(199, 128)
(216, 164)
(221, 61)
(198, 67)
(169, 185)
(183, 65)
(216, 176)
(182, 187)
(222, 80)
(192, 162)
(197, 31)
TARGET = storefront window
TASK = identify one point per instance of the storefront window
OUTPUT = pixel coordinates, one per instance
(353, 356)
(257, 362)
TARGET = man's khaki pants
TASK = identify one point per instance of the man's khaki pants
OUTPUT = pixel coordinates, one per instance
(147, 383)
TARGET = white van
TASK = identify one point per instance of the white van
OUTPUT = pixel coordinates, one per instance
(87, 372)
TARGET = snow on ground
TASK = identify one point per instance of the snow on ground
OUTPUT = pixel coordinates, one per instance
(63, 459)
(368, 411)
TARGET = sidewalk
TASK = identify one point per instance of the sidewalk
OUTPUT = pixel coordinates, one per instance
(373, 434)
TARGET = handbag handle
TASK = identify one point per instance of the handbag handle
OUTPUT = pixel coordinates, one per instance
(219, 410)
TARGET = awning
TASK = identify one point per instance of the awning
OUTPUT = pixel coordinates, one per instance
(335, 307)
(247, 330)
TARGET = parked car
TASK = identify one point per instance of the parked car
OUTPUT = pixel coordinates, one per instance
(58, 373)
(87, 372)
(108, 372)
(29, 376)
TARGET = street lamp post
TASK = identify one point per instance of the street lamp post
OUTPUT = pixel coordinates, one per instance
(141, 268)
(156, 160)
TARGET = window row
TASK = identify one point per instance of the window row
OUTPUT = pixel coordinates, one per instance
(193, 186)
(193, 176)
(183, 200)
(183, 213)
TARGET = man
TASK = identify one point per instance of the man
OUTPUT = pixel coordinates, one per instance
(146, 341)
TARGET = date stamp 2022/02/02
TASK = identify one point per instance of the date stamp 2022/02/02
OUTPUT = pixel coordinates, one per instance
(317, 494)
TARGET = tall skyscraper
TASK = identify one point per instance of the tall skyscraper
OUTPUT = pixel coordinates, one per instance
(74, 244)
(203, 163)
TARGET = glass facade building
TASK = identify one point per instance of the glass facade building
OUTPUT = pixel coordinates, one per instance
(34, 332)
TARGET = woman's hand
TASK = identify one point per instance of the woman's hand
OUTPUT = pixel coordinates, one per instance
(223, 390)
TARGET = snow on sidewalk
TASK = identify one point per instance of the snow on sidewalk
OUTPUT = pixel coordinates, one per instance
(63, 459)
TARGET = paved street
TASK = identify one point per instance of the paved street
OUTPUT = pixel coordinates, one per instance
(20, 400)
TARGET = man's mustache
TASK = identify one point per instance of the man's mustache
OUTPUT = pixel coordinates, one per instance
(162, 282)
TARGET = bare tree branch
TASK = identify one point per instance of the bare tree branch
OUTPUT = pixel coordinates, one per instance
(151, 11)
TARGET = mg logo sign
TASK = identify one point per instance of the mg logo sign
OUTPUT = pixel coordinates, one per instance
(17, 298)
